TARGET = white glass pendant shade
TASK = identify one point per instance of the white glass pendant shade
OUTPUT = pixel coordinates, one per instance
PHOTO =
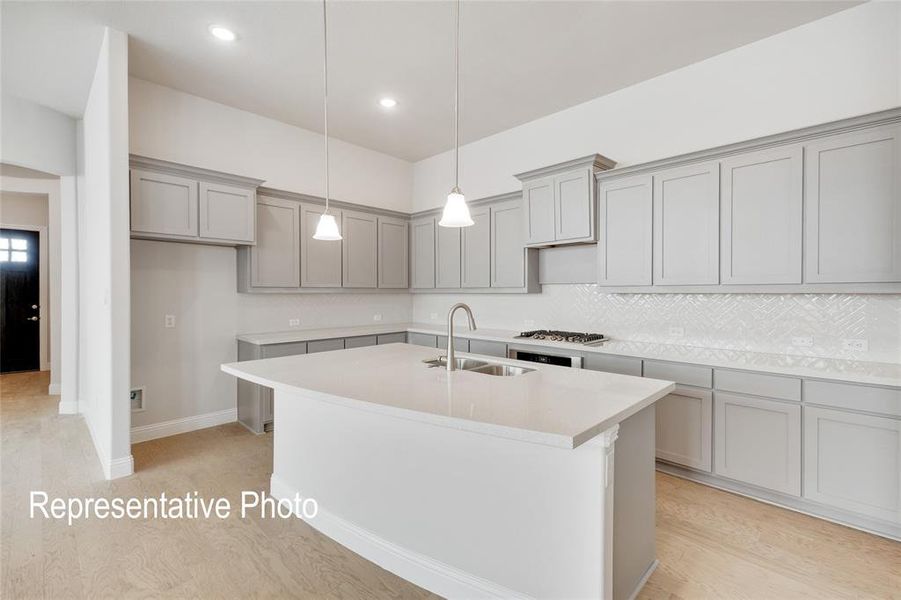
(456, 211)
(327, 228)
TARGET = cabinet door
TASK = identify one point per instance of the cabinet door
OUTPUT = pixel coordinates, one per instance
(538, 199)
(625, 226)
(853, 207)
(853, 461)
(687, 225)
(227, 213)
(574, 212)
(360, 341)
(684, 427)
(475, 271)
(761, 225)
(320, 261)
(359, 249)
(508, 254)
(448, 253)
(758, 441)
(624, 365)
(422, 260)
(391, 338)
(163, 204)
(325, 345)
(422, 339)
(394, 264)
(275, 259)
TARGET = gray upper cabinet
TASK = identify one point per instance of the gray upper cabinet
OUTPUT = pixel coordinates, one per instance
(227, 213)
(687, 225)
(359, 249)
(625, 225)
(761, 216)
(447, 257)
(422, 261)
(163, 204)
(508, 258)
(574, 206)
(275, 260)
(393, 254)
(853, 207)
(320, 261)
(475, 240)
(538, 199)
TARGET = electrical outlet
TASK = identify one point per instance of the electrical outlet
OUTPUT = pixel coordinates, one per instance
(676, 331)
(293, 322)
(855, 345)
(377, 317)
(802, 341)
(433, 316)
(169, 321)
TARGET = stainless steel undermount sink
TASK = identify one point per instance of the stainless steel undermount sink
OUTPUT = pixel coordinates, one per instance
(479, 366)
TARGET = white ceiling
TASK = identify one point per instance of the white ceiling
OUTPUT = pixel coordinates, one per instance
(521, 60)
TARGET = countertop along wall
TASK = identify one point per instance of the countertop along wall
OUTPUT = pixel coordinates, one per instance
(179, 367)
(843, 65)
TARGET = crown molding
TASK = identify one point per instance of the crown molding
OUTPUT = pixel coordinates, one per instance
(165, 166)
(597, 162)
(310, 199)
(516, 195)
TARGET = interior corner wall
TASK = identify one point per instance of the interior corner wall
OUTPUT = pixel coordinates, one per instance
(103, 262)
(843, 65)
(36, 137)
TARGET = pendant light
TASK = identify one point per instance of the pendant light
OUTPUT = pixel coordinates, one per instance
(456, 212)
(327, 228)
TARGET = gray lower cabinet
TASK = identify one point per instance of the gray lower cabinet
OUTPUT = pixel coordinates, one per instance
(359, 250)
(475, 241)
(422, 339)
(623, 365)
(275, 259)
(625, 231)
(325, 345)
(320, 260)
(761, 199)
(422, 250)
(163, 204)
(684, 427)
(508, 255)
(538, 201)
(360, 341)
(393, 255)
(758, 441)
(227, 213)
(853, 207)
(254, 402)
(460, 344)
(391, 338)
(853, 461)
(447, 257)
(687, 225)
(488, 348)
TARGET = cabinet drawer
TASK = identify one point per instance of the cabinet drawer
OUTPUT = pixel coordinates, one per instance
(325, 345)
(758, 441)
(772, 386)
(392, 338)
(488, 348)
(290, 349)
(612, 364)
(423, 339)
(684, 374)
(460, 344)
(359, 342)
(866, 398)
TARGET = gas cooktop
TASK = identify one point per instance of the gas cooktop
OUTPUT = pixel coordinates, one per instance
(574, 337)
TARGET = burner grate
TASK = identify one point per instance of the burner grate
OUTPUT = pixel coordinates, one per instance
(553, 335)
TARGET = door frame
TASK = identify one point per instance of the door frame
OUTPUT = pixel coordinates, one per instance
(43, 289)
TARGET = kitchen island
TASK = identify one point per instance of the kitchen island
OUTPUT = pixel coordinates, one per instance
(465, 483)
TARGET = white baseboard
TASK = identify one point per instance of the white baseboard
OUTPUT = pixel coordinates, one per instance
(435, 576)
(119, 467)
(68, 408)
(154, 431)
(54, 389)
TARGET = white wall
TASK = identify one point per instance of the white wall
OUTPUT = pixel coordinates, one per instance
(36, 137)
(844, 65)
(171, 125)
(104, 303)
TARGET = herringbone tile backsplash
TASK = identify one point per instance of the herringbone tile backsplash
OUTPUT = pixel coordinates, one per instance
(751, 322)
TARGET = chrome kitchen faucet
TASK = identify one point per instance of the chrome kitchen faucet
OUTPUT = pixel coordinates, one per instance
(451, 363)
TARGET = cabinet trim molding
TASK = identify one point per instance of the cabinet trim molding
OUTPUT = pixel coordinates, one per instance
(592, 161)
(136, 161)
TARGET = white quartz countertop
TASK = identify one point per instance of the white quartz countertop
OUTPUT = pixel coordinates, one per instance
(555, 406)
(852, 371)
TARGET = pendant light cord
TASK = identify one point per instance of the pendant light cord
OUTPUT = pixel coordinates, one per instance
(457, 103)
(325, 96)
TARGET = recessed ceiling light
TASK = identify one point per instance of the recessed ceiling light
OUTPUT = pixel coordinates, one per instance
(223, 33)
(388, 102)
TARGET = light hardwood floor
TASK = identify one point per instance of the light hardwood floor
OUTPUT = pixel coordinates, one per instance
(711, 544)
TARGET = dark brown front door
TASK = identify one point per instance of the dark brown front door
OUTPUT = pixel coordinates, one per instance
(20, 337)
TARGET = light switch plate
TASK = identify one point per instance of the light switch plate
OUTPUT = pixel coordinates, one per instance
(377, 317)
(855, 345)
(293, 322)
(169, 321)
